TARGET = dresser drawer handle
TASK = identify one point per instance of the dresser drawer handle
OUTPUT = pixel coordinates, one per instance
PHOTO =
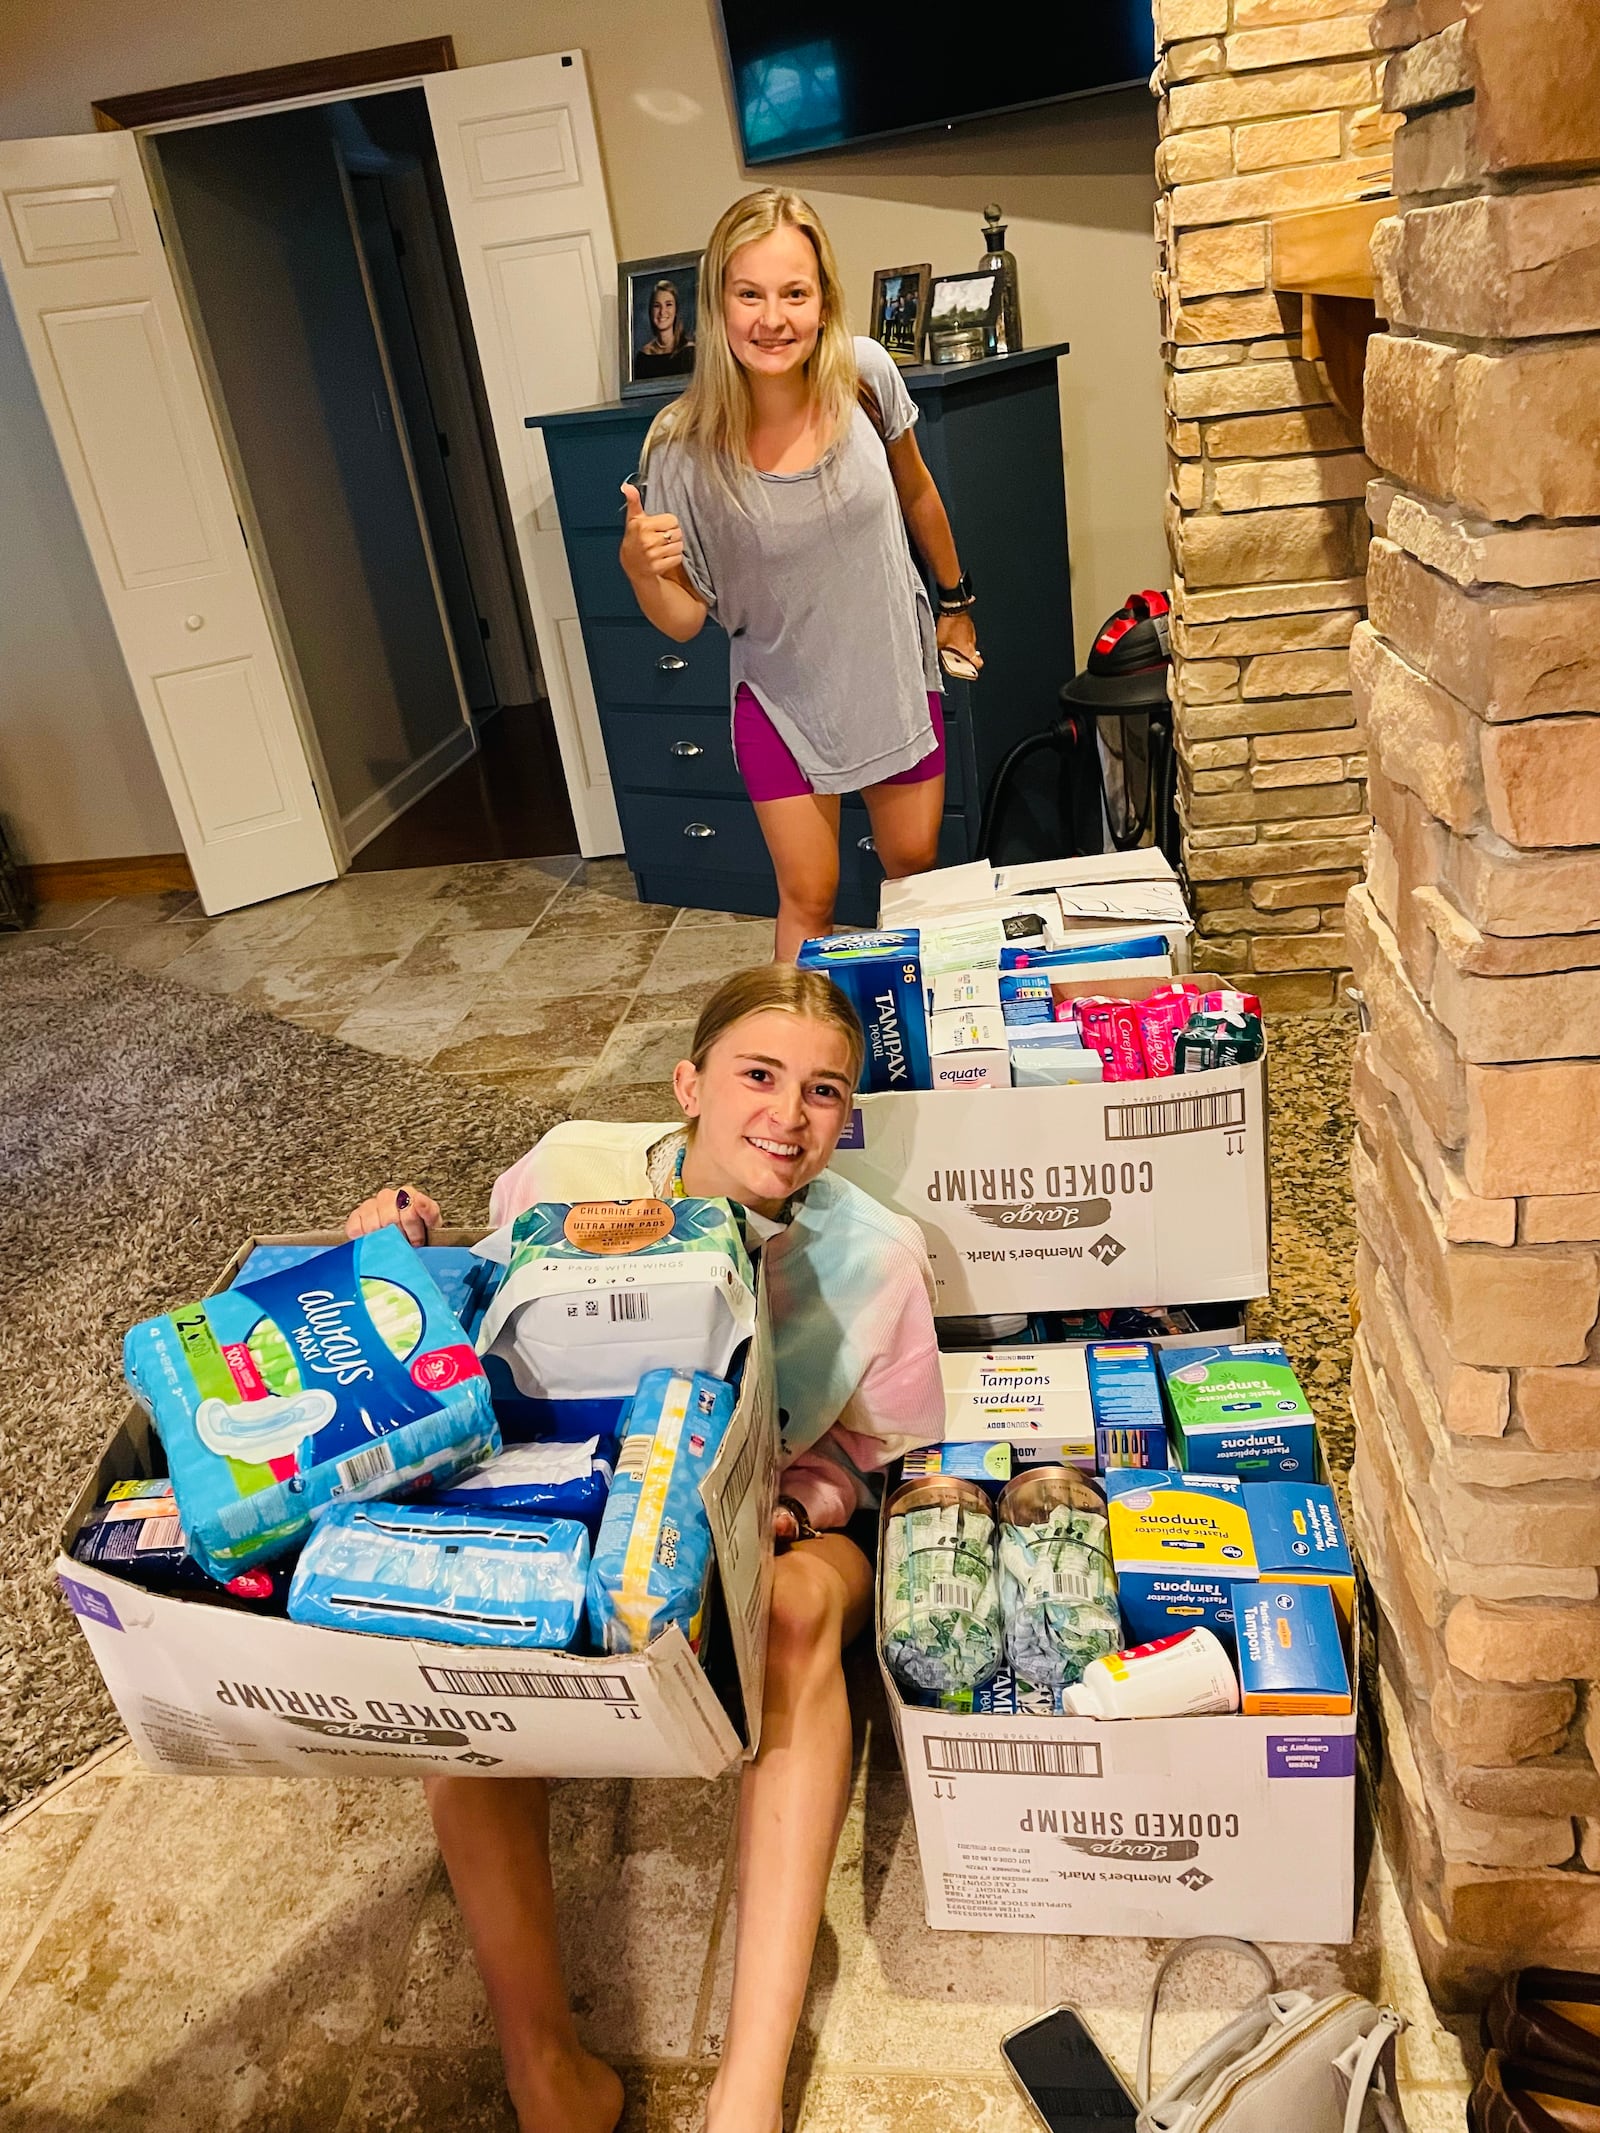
(685, 748)
(698, 829)
(670, 663)
(865, 844)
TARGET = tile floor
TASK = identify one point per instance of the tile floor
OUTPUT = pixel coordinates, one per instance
(232, 1956)
(546, 975)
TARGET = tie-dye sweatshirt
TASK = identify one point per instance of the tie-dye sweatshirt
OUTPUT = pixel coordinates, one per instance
(851, 1297)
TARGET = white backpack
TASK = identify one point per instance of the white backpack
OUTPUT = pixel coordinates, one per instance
(1288, 2064)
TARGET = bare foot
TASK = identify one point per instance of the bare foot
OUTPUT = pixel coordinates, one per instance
(567, 2093)
(724, 2115)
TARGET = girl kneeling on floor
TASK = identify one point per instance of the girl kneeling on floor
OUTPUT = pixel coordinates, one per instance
(765, 1091)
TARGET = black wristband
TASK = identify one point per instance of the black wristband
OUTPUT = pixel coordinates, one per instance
(956, 599)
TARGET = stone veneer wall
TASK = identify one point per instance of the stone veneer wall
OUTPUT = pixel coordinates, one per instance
(1268, 107)
(1476, 942)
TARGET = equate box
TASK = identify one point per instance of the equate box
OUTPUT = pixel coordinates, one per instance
(1035, 1399)
(1291, 1657)
(1181, 1548)
(1240, 1410)
(1300, 1539)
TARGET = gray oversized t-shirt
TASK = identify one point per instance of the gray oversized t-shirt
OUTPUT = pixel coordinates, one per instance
(828, 621)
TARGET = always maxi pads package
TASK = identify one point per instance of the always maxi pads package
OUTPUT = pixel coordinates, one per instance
(652, 1560)
(555, 1479)
(880, 974)
(465, 1281)
(1240, 1410)
(599, 1292)
(1182, 1551)
(453, 1577)
(332, 1381)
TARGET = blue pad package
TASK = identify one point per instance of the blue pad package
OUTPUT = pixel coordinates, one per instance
(456, 1577)
(466, 1282)
(551, 1480)
(652, 1560)
(337, 1380)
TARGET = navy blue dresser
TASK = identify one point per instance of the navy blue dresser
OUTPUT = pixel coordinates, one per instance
(991, 435)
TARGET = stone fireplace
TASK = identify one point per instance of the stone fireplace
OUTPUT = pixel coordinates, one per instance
(1272, 124)
(1475, 940)
(1464, 713)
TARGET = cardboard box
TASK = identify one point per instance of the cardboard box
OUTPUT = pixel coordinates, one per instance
(1077, 1198)
(1182, 1548)
(1159, 1826)
(219, 1692)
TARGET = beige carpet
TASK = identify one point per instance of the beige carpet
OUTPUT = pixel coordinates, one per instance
(145, 1129)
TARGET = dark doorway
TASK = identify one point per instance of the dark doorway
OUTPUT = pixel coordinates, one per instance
(509, 801)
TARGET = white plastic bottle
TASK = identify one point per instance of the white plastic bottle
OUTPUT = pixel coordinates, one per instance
(1187, 1676)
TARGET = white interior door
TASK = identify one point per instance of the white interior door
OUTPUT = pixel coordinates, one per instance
(82, 256)
(527, 199)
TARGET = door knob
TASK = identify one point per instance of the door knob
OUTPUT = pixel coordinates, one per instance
(194, 622)
(686, 748)
(670, 663)
(698, 829)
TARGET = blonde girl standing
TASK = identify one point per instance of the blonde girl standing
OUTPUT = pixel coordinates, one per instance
(775, 495)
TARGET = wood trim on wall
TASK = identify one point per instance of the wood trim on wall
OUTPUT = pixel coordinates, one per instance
(274, 85)
(76, 880)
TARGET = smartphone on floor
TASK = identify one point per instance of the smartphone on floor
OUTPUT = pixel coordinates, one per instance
(1066, 2077)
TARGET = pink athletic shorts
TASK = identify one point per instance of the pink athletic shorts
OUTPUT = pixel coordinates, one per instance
(770, 771)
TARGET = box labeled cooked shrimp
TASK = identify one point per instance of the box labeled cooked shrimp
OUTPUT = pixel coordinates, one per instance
(381, 1511)
(1079, 1196)
(1066, 1778)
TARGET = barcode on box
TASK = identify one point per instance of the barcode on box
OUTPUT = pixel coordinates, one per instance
(362, 1467)
(952, 1592)
(162, 1533)
(740, 1475)
(1012, 1758)
(511, 1681)
(630, 1305)
(1155, 1120)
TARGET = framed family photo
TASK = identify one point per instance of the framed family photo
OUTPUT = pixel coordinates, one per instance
(900, 310)
(656, 321)
(964, 316)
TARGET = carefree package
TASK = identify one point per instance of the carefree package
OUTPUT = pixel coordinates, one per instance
(1240, 1410)
(598, 1291)
(339, 1379)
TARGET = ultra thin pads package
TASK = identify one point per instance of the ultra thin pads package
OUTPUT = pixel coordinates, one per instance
(652, 1560)
(457, 1577)
(337, 1380)
(602, 1291)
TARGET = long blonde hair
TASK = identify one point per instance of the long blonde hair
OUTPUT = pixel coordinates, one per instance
(713, 417)
(793, 992)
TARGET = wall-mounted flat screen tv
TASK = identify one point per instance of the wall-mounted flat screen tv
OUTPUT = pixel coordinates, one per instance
(821, 74)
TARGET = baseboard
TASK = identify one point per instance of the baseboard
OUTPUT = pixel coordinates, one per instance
(374, 815)
(74, 880)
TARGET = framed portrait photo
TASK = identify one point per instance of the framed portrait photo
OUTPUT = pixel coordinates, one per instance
(900, 310)
(657, 300)
(964, 316)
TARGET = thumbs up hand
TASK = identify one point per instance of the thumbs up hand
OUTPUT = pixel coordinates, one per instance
(652, 545)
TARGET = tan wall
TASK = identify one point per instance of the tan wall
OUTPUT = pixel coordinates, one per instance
(1076, 182)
